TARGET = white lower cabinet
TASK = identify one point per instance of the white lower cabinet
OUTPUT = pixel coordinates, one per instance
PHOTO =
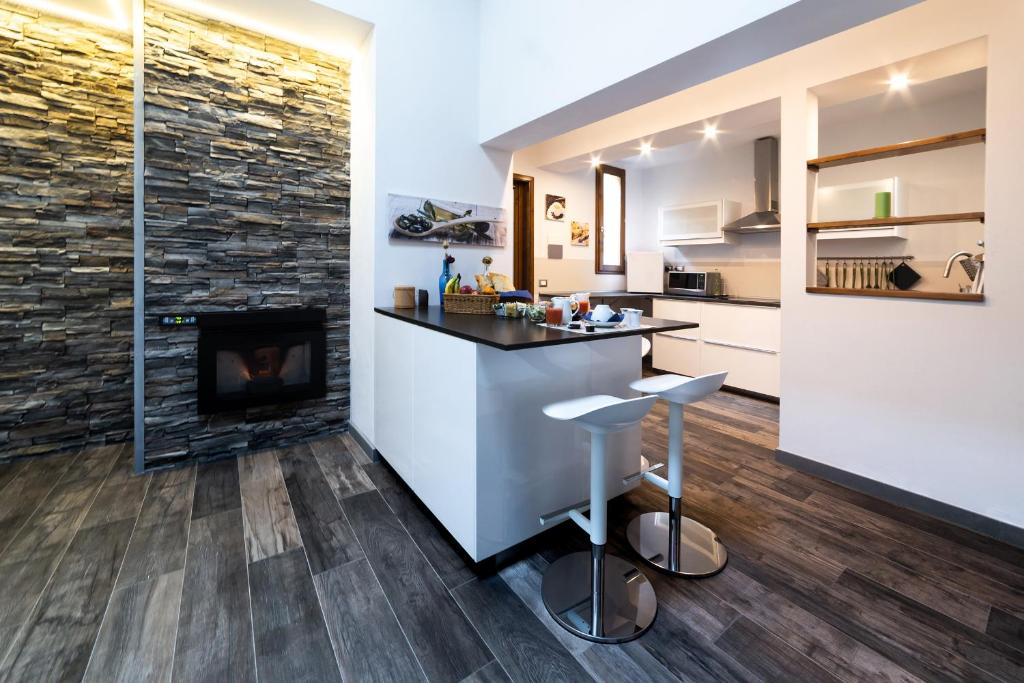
(742, 340)
(748, 369)
(677, 354)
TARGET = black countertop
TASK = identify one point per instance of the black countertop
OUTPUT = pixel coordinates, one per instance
(511, 335)
(726, 299)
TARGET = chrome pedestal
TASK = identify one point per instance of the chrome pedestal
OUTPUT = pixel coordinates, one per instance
(677, 544)
(599, 597)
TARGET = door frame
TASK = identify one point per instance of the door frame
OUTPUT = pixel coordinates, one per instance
(522, 240)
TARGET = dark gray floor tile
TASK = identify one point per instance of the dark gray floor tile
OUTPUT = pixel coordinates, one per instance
(215, 628)
(341, 468)
(367, 638)
(56, 641)
(216, 488)
(292, 643)
(526, 649)
(446, 645)
(136, 640)
(326, 535)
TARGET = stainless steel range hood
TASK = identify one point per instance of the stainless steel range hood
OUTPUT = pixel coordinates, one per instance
(766, 191)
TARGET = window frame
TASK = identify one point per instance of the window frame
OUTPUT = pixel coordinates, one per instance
(599, 173)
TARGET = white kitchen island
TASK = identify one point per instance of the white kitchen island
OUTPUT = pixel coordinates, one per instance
(457, 414)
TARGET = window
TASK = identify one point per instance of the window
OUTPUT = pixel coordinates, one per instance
(610, 254)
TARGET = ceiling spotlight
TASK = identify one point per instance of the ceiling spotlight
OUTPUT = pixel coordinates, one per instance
(710, 131)
(899, 81)
(595, 161)
(646, 148)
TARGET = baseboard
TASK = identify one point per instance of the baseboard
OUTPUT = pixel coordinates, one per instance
(751, 394)
(993, 528)
(725, 387)
(364, 443)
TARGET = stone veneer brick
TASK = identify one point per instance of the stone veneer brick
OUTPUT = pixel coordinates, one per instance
(65, 234)
(247, 207)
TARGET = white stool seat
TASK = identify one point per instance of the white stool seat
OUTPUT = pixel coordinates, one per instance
(645, 346)
(678, 389)
(601, 412)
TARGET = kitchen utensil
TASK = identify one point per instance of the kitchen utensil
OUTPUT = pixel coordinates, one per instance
(602, 313)
(632, 317)
(567, 305)
(903, 276)
(883, 204)
(583, 299)
(423, 298)
(405, 297)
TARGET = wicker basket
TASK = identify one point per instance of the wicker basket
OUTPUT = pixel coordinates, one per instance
(475, 304)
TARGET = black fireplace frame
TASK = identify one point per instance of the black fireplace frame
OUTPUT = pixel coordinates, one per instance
(256, 328)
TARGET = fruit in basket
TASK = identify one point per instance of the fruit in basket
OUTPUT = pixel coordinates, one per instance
(453, 284)
(466, 289)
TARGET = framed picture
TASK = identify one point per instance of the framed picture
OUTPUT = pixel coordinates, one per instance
(554, 207)
(417, 219)
(580, 234)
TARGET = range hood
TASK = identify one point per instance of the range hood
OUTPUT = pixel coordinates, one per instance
(766, 191)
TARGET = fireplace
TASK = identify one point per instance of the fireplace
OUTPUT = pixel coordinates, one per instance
(258, 358)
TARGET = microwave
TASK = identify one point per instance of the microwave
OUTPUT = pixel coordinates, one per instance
(693, 282)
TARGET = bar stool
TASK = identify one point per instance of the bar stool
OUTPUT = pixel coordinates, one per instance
(668, 540)
(592, 595)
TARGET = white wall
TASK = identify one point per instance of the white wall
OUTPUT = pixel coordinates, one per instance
(891, 405)
(415, 98)
(576, 268)
(548, 67)
(712, 173)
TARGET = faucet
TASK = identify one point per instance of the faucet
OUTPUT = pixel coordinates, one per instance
(954, 257)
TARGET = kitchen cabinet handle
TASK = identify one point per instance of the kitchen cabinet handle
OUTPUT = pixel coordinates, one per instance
(672, 336)
(739, 346)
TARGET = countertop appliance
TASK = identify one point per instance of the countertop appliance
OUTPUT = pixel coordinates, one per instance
(766, 191)
(701, 283)
(644, 271)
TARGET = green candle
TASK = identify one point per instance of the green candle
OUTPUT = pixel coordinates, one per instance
(883, 204)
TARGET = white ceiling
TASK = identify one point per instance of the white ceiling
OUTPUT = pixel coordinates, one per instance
(671, 146)
(943, 74)
(301, 22)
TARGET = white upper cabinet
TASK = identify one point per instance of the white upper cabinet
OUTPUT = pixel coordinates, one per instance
(854, 201)
(697, 223)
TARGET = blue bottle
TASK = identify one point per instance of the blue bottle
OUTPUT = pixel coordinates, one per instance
(442, 281)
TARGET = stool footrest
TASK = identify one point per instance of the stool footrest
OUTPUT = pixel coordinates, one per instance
(560, 515)
(629, 479)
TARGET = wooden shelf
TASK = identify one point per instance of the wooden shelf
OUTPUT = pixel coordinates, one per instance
(967, 137)
(900, 220)
(897, 294)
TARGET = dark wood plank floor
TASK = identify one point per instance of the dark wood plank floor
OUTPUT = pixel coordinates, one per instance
(314, 563)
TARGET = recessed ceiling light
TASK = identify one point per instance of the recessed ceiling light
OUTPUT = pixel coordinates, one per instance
(595, 161)
(710, 131)
(899, 81)
(646, 148)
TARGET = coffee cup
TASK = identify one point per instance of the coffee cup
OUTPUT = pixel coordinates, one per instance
(631, 317)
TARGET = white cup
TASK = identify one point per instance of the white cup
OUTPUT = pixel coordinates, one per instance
(602, 313)
(632, 317)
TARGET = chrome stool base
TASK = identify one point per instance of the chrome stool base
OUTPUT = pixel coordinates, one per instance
(627, 599)
(697, 552)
